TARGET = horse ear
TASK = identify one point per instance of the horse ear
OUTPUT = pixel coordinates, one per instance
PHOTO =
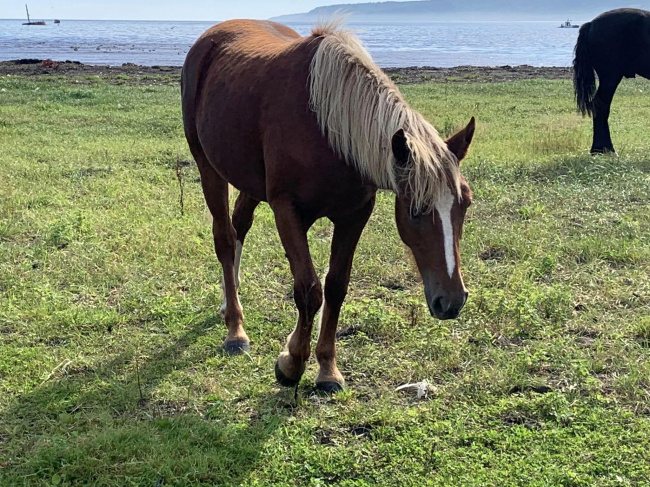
(459, 142)
(400, 148)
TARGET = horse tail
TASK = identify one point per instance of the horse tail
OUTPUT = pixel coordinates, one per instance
(584, 78)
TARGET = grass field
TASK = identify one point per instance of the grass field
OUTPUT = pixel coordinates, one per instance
(111, 369)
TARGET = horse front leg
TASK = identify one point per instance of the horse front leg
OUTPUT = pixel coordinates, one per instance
(307, 292)
(344, 242)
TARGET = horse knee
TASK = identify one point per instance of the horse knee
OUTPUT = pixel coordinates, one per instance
(335, 291)
(308, 295)
(225, 248)
(224, 236)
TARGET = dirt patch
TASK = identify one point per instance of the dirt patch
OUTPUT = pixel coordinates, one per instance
(516, 418)
(538, 389)
(133, 73)
(476, 74)
(362, 430)
(498, 254)
(412, 75)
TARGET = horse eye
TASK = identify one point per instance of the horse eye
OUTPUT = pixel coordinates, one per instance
(415, 215)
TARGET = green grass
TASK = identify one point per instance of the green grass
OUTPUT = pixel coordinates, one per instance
(111, 370)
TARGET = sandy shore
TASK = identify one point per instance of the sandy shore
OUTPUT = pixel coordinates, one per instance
(460, 74)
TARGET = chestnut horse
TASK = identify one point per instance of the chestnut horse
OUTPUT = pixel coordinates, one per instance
(614, 45)
(313, 127)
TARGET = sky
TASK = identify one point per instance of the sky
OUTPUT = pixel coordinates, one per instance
(159, 9)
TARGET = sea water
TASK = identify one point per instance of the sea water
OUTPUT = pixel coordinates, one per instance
(440, 44)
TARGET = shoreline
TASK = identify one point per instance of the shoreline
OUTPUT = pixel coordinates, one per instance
(406, 75)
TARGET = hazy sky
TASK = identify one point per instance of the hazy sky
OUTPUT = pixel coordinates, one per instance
(158, 9)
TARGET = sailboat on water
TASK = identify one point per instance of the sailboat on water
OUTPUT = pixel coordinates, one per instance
(29, 22)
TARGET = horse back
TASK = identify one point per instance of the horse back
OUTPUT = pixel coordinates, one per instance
(223, 45)
(621, 39)
(245, 84)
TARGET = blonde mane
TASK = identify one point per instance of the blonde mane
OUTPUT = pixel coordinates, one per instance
(359, 109)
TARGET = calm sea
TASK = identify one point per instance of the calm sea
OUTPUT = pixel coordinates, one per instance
(442, 44)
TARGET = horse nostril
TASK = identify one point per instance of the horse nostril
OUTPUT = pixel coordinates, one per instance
(445, 308)
(437, 305)
(441, 305)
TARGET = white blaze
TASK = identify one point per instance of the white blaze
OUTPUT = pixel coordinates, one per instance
(443, 207)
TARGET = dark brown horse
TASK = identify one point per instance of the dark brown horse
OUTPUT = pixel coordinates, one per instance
(313, 127)
(614, 45)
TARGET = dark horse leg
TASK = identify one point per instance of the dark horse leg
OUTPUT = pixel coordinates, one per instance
(344, 242)
(308, 294)
(602, 142)
(242, 219)
(215, 189)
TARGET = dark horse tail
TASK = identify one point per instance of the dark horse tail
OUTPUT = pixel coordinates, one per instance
(584, 77)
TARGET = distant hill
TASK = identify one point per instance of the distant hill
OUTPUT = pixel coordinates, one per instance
(448, 10)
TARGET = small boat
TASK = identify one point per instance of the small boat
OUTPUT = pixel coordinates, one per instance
(57, 21)
(29, 22)
(568, 25)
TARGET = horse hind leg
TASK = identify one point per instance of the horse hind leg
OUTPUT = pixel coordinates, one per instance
(602, 141)
(215, 190)
(242, 220)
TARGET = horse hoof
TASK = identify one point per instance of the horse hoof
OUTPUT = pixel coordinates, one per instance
(237, 347)
(603, 151)
(329, 387)
(282, 379)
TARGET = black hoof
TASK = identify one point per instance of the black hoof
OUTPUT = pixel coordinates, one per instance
(237, 347)
(282, 379)
(604, 151)
(330, 387)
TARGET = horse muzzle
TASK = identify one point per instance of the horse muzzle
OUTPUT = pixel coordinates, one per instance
(445, 307)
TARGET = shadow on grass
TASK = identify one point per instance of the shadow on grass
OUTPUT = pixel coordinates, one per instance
(587, 168)
(96, 427)
(581, 168)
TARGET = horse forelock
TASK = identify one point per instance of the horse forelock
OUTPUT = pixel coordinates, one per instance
(359, 109)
